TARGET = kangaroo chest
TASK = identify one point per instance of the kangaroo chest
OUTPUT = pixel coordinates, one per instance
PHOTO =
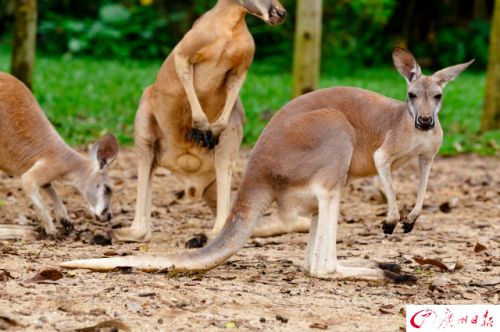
(215, 63)
(420, 143)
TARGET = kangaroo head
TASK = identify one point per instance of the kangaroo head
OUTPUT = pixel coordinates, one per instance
(425, 93)
(271, 11)
(96, 187)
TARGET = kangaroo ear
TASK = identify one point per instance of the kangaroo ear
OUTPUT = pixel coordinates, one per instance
(104, 151)
(406, 64)
(446, 75)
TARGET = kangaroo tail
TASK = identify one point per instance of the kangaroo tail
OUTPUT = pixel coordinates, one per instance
(247, 209)
(17, 232)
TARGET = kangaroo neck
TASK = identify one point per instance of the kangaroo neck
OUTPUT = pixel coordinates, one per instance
(229, 14)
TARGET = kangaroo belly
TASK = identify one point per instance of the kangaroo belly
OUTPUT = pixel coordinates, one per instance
(193, 166)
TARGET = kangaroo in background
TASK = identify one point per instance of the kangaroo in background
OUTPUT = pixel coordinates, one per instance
(305, 156)
(31, 148)
(190, 120)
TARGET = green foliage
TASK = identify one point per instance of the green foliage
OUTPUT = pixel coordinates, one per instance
(458, 45)
(355, 29)
(85, 98)
(118, 31)
(355, 32)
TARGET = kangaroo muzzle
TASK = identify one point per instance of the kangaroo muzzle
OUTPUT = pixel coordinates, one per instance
(424, 123)
(105, 215)
(277, 14)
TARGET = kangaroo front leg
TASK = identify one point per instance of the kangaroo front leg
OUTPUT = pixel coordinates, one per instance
(59, 207)
(425, 164)
(31, 187)
(383, 166)
(140, 231)
(200, 131)
(234, 84)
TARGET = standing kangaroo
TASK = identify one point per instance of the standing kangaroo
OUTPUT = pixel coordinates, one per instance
(190, 120)
(31, 148)
(304, 158)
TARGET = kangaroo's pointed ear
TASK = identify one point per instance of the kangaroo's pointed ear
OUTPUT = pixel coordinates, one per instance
(406, 64)
(104, 151)
(446, 75)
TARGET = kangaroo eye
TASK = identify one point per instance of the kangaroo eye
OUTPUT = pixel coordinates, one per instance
(411, 95)
(438, 96)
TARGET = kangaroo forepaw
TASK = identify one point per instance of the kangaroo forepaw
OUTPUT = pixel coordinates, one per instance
(409, 222)
(198, 241)
(408, 226)
(68, 227)
(388, 228)
(203, 138)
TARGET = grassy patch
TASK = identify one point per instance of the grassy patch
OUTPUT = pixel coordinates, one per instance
(85, 98)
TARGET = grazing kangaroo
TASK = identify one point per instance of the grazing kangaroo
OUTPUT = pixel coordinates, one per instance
(31, 148)
(305, 156)
(190, 120)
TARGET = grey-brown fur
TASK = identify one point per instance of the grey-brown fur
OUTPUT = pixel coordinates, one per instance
(304, 158)
(31, 148)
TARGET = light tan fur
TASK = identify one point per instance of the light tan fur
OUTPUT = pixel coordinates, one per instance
(31, 148)
(193, 104)
(305, 156)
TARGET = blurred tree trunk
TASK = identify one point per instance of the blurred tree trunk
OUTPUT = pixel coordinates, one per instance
(307, 48)
(23, 53)
(491, 115)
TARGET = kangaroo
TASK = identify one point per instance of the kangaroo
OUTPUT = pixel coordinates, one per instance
(190, 120)
(305, 156)
(31, 148)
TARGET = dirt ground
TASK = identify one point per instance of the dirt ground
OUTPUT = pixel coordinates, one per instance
(262, 287)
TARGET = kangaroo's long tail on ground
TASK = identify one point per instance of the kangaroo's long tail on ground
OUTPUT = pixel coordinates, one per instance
(249, 206)
(18, 232)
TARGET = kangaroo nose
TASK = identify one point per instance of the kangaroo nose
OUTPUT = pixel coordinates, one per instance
(108, 215)
(105, 215)
(425, 120)
(281, 13)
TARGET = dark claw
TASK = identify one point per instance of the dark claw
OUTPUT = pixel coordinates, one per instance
(198, 241)
(408, 226)
(67, 226)
(388, 228)
(203, 138)
(396, 268)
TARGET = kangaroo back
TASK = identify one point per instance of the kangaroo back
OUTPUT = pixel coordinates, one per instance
(25, 132)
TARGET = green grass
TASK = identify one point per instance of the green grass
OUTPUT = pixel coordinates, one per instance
(86, 97)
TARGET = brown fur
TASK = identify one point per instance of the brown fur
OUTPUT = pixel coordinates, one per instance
(31, 148)
(193, 103)
(304, 157)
